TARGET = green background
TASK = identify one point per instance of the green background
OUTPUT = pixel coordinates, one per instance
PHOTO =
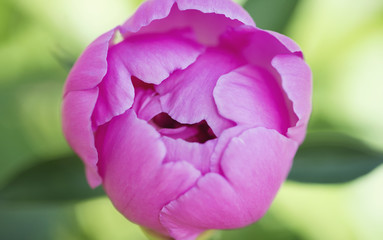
(334, 190)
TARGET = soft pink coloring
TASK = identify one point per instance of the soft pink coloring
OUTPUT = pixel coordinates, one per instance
(192, 121)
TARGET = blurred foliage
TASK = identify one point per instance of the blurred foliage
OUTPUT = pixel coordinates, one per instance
(99, 220)
(330, 157)
(268, 228)
(43, 193)
(271, 14)
(20, 222)
(342, 44)
(66, 183)
(336, 211)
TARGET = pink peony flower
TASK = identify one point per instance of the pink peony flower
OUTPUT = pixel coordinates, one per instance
(191, 122)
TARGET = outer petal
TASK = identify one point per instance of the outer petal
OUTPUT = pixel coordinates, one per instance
(205, 17)
(251, 96)
(278, 55)
(77, 111)
(91, 66)
(225, 7)
(297, 82)
(212, 204)
(257, 46)
(80, 96)
(222, 143)
(116, 92)
(138, 183)
(262, 159)
(151, 58)
(187, 96)
(255, 164)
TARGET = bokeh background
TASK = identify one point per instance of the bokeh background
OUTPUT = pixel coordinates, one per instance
(334, 191)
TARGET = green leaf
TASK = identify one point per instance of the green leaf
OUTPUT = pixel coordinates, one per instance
(54, 181)
(271, 14)
(64, 58)
(42, 222)
(330, 157)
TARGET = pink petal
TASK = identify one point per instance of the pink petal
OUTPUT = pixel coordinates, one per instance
(197, 154)
(211, 204)
(147, 13)
(208, 19)
(297, 82)
(226, 7)
(151, 58)
(91, 66)
(187, 96)
(146, 103)
(251, 96)
(116, 91)
(273, 52)
(222, 143)
(138, 183)
(255, 164)
(76, 111)
(257, 46)
(179, 133)
(288, 42)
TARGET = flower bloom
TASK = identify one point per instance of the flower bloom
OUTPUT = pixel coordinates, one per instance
(190, 122)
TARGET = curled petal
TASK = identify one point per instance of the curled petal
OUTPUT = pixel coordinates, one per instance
(281, 57)
(146, 103)
(91, 67)
(208, 18)
(257, 46)
(288, 42)
(187, 96)
(153, 57)
(80, 97)
(226, 7)
(197, 154)
(296, 80)
(251, 96)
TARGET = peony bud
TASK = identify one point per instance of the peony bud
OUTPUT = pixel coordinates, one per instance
(190, 122)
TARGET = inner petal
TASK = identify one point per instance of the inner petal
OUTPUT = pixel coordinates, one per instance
(198, 132)
(187, 95)
(149, 57)
(146, 100)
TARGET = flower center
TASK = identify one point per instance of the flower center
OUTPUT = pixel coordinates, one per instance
(167, 126)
